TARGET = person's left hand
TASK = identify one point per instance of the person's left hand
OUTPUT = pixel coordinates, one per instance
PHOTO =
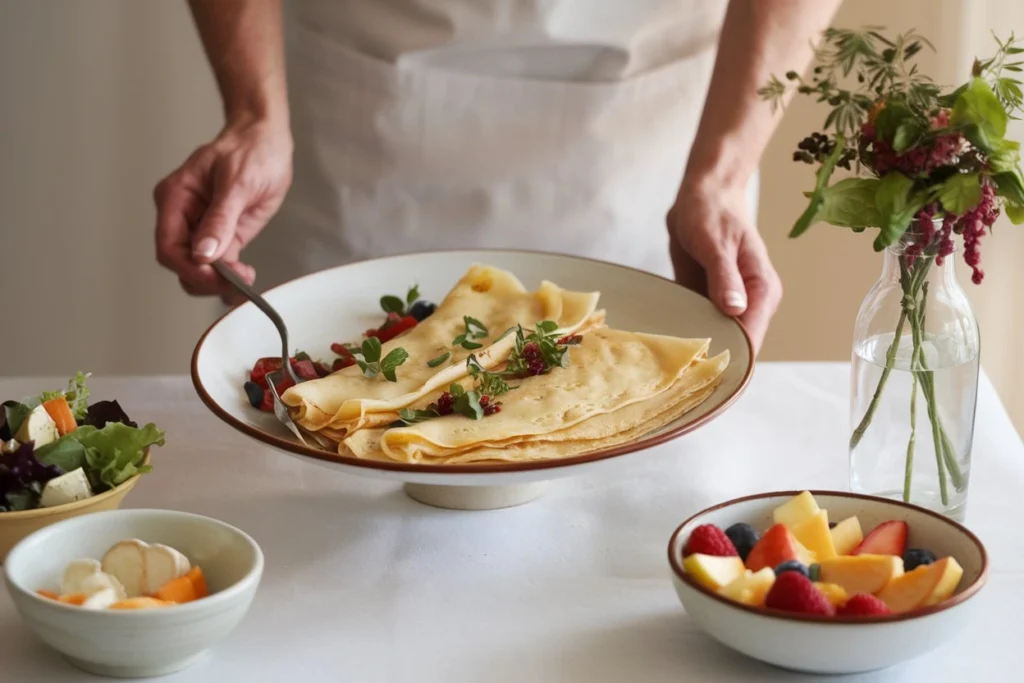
(717, 251)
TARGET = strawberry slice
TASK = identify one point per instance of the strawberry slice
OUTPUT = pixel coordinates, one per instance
(888, 538)
(305, 369)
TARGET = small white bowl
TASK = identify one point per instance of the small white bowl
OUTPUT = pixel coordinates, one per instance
(833, 645)
(135, 643)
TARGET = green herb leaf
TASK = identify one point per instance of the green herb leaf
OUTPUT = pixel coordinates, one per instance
(370, 370)
(371, 349)
(505, 333)
(392, 304)
(471, 345)
(547, 326)
(850, 203)
(459, 340)
(394, 359)
(906, 136)
(474, 327)
(960, 193)
(434, 362)
(456, 390)
(413, 295)
(468, 404)
(890, 119)
(896, 206)
(1015, 212)
(980, 112)
(1009, 184)
(410, 416)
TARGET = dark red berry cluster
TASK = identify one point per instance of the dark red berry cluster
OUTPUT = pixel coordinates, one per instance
(534, 359)
(817, 147)
(445, 404)
(970, 225)
(489, 407)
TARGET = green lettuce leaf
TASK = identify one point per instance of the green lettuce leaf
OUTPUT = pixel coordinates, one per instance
(109, 456)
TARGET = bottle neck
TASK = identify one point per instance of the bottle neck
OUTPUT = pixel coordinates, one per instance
(911, 260)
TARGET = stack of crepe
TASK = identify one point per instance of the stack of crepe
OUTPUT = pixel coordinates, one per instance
(617, 386)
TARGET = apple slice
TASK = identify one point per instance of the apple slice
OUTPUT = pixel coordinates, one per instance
(796, 510)
(888, 538)
(750, 588)
(861, 573)
(814, 534)
(847, 535)
(926, 585)
(712, 571)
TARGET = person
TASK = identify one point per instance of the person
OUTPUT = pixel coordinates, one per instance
(624, 131)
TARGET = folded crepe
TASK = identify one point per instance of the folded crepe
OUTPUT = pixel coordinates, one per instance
(618, 386)
(346, 401)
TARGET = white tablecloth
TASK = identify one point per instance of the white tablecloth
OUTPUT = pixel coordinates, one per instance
(362, 584)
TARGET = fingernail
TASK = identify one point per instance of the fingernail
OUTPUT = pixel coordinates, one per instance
(735, 300)
(206, 247)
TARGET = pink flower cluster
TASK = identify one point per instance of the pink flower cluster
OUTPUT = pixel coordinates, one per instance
(970, 225)
(943, 150)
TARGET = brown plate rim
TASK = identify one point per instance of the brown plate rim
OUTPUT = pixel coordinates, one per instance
(958, 599)
(504, 468)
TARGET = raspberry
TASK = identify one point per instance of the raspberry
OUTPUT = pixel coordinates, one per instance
(794, 592)
(536, 367)
(445, 404)
(484, 400)
(708, 539)
(531, 351)
(863, 605)
(492, 408)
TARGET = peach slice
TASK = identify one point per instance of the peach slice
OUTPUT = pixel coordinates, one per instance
(926, 585)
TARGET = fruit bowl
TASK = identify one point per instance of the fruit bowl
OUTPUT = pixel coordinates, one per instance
(822, 644)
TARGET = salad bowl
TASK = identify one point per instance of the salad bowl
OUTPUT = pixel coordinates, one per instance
(15, 526)
(338, 304)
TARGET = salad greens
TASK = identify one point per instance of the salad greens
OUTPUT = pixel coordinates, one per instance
(100, 439)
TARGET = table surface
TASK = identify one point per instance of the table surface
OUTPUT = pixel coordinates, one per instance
(363, 584)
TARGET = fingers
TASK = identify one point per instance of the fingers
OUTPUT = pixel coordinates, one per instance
(763, 288)
(726, 287)
(217, 228)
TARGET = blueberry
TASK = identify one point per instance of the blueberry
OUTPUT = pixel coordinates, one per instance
(743, 537)
(792, 566)
(421, 310)
(255, 393)
(832, 525)
(814, 572)
(915, 557)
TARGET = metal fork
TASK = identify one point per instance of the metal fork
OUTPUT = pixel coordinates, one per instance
(280, 410)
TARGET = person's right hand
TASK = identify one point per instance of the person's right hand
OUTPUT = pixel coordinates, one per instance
(217, 202)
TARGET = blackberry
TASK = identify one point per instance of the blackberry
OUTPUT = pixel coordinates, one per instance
(743, 537)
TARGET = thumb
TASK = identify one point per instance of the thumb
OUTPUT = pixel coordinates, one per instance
(725, 284)
(217, 227)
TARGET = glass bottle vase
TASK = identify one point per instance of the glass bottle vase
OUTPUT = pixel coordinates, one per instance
(916, 353)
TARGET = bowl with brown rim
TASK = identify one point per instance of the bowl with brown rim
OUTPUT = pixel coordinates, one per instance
(833, 645)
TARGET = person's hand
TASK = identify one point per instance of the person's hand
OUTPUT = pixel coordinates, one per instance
(217, 202)
(717, 251)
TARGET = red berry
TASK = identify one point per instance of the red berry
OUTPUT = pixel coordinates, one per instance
(484, 400)
(531, 351)
(536, 367)
(492, 408)
(708, 539)
(863, 605)
(794, 592)
(444, 404)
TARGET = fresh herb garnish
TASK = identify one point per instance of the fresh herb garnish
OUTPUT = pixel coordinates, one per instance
(370, 362)
(490, 383)
(393, 304)
(474, 329)
(538, 352)
(434, 362)
(77, 395)
(409, 416)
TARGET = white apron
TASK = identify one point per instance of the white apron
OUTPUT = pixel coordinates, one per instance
(560, 125)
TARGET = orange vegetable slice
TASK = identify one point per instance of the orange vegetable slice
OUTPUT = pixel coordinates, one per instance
(177, 590)
(48, 594)
(73, 599)
(140, 603)
(198, 579)
(59, 410)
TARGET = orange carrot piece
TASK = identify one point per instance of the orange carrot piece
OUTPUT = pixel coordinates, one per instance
(140, 603)
(48, 594)
(177, 590)
(60, 411)
(198, 579)
(73, 599)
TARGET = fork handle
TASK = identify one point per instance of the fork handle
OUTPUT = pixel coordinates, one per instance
(252, 295)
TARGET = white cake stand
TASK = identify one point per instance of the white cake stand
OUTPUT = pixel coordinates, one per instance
(336, 304)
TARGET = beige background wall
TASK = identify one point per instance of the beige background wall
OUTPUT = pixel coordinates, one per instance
(99, 98)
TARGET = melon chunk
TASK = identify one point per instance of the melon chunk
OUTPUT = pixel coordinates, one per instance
(861, 573)
(847, 535)
(815, 535)
(796, 510)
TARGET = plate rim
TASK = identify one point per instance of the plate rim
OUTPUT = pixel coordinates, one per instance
(642, 444)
